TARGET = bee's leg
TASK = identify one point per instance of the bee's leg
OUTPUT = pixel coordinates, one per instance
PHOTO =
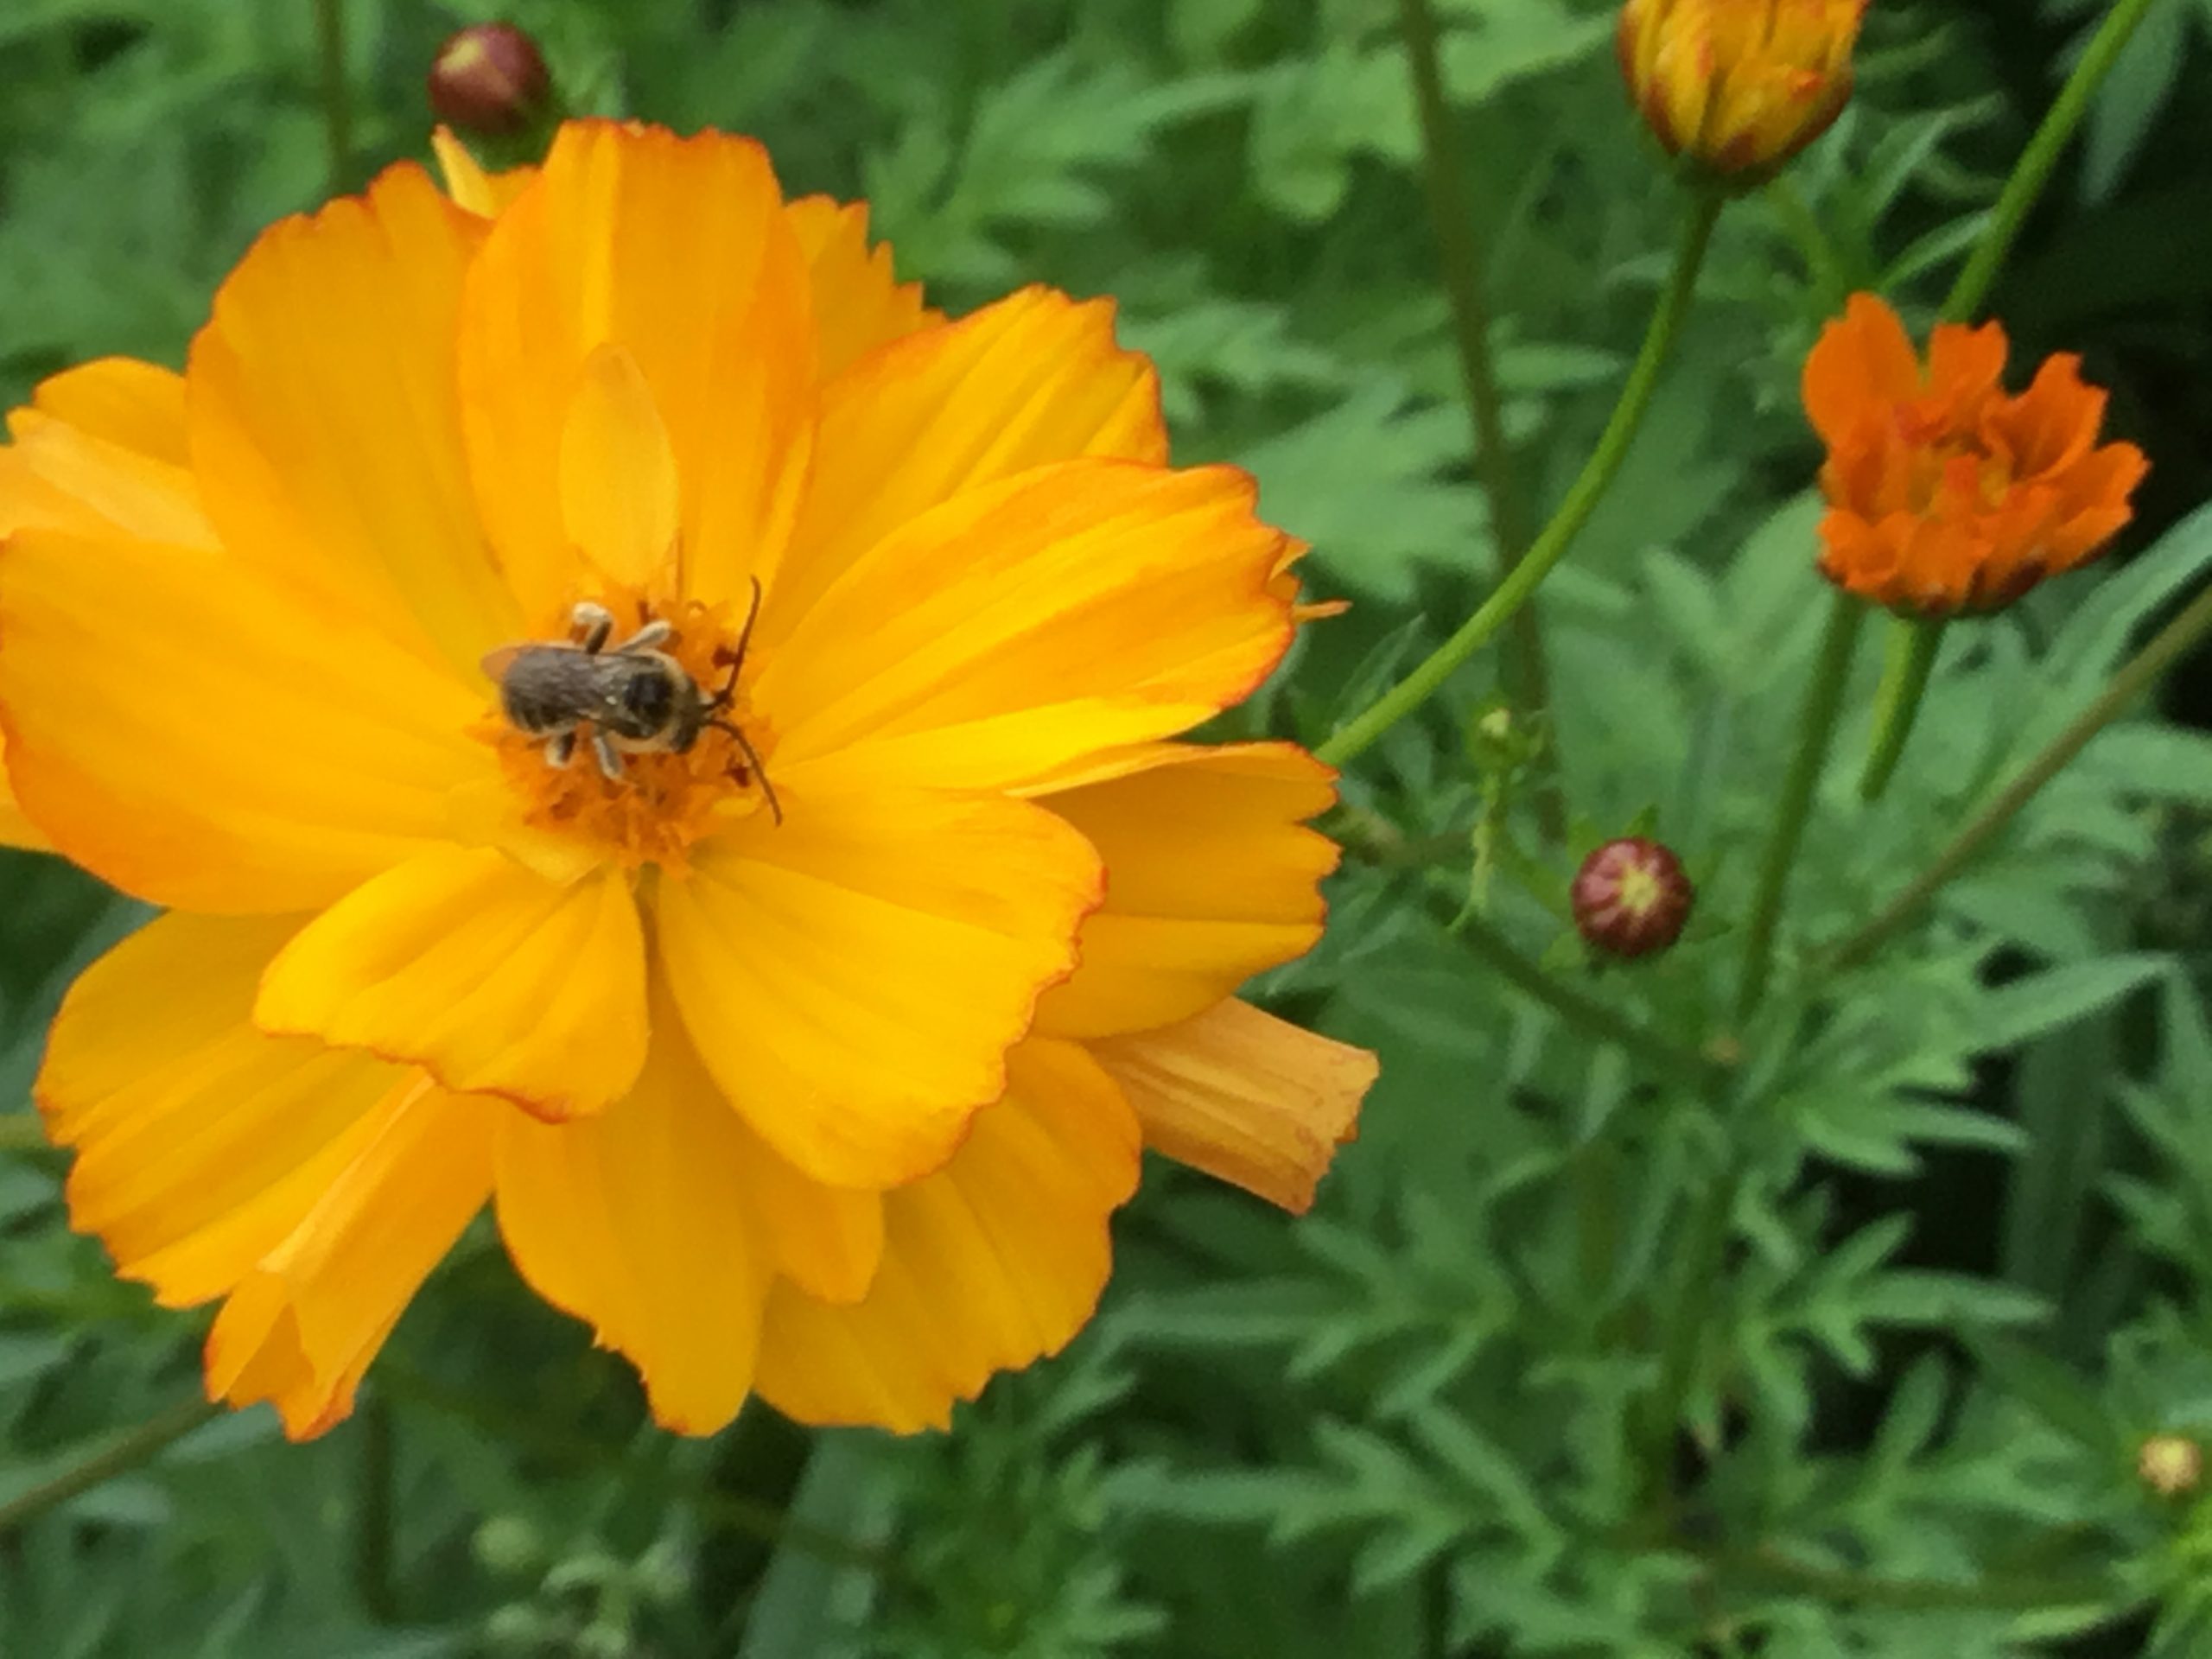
(560, 749)
(646, 639)
(610, 761)
(590, 624)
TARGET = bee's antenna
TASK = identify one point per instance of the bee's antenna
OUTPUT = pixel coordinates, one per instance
(724, 697)
(753, 757)
(728, 694)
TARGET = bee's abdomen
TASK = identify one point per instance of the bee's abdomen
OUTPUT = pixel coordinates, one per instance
(541, 691)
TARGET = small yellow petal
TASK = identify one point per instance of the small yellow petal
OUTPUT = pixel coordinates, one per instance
(1244, 1096)
(618, 474)
(472, 188)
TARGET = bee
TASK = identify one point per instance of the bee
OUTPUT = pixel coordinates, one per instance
(632, 697)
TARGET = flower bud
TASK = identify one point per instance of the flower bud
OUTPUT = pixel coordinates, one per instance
(509, 1545)
(1737, 88)
(1631, 898)
(2171, 1466)
(490, 79)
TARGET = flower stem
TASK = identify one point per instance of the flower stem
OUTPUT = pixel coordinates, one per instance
(1582, 498)
(1913, 643)
(1704, 1256)
(118, 1456)
(2193, 624)
(337, 110)
(1466, 285)
(374, 1579)
(2032, 171)
(1816, 733)
(1578, 1009)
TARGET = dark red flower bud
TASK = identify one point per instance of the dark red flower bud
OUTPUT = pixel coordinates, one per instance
(489, 79)
(1631, 898)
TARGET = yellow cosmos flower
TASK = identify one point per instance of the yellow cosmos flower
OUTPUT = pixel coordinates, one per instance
(1739, 86)
(801, 1092)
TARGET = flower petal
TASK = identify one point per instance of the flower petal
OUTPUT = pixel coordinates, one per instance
(854, 978)
(1210, 879)
(1026, 624)
(16, 830)
(493, 979)
(1033, 378)
(994, 1260)
(100, 451)
(618, 474)
(325, 432)
(1244, 1096)
(660, 1221)
(202, 737)
(858, 305)
(201, 1142)
(1862, 363)
(138, 407)
(473, 189)
(678, 251)
(302, 1328)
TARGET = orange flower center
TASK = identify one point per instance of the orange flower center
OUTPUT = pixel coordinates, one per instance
(667, 797)
(1947, 454)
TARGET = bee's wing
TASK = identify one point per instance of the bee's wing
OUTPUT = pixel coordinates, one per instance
(497, 663)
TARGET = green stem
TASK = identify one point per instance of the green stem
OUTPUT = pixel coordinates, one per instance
(1816, 733)
(2194, 623)
(337, 110)
(1704, 1254)
(1913, 643)
(1466, 285)
(1582, 499)
(119, 1456)
(2033, 169)
(374, 1581)
(1578, 1009)
(1823, 263)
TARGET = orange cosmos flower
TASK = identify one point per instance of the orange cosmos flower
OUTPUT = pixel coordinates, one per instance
(1738, 87)
(1944, 493)
(806, 1095)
